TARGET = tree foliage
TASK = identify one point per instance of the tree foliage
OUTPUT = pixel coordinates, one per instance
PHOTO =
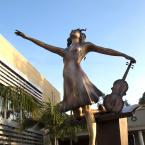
(58, 125)
(41, 116)
(142, 99)
(126, 103)
(21, 100)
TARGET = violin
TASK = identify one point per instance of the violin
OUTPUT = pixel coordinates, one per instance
(114, 102)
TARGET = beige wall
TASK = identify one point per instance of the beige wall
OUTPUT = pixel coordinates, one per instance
(139, 124)
(11, 57)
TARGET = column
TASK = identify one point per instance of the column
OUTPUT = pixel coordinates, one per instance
(140, 138)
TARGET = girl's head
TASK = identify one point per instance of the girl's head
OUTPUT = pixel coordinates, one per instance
(76, 34)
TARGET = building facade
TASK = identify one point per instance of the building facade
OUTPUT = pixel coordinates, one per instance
(136, 127)
(16, 71)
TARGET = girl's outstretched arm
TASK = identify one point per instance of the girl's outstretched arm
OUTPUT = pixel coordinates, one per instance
(92, 47)
(54, 49)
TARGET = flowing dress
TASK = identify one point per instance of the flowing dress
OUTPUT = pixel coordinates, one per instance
(78, 89)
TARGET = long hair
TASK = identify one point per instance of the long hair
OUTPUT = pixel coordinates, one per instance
(82, 36)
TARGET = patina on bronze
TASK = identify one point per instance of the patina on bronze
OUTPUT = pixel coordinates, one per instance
(79, 92)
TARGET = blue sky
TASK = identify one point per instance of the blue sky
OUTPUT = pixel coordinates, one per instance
(116, 24)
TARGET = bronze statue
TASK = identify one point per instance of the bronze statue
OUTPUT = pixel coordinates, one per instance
(79, 92)
(113, 102)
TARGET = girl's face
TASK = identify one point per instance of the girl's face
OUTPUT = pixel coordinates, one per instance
(75, 35)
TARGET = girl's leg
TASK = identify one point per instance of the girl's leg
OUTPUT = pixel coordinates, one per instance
(91, 124)
(78, 113)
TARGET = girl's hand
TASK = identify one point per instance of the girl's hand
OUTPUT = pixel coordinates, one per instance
(19, 33)
(131, 59)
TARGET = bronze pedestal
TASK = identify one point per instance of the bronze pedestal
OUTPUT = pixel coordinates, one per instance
(112, 129)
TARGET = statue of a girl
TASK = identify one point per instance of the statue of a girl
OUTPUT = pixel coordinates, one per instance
(79, 92)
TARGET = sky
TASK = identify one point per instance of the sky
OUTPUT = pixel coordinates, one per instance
(115, 24)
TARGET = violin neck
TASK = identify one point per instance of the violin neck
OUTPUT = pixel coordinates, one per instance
(126, 72)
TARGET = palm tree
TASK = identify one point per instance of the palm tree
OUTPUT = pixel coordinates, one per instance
(33, 113)
(58, 125)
